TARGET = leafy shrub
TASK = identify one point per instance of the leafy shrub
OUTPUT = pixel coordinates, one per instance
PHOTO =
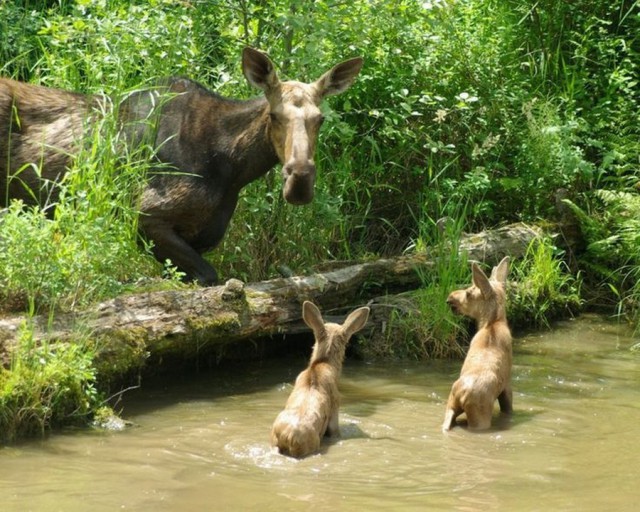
(45, 385)
(491, 104)
(611, 226)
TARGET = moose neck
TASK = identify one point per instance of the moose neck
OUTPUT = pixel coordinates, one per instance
(250, 141)
(329, 351)
(496, 314)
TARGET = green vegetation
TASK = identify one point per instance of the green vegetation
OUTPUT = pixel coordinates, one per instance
(46, 385)
(476, 111)
(543, 288)
(421, 324)
(89, 248)
(611, 224)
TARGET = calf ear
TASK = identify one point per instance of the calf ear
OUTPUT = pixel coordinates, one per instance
(501, 271)
(258, 69)
(481, 281)
(312, 317)
(339, 78)
(356, 321)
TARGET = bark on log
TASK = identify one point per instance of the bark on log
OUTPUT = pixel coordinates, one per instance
(138, 329)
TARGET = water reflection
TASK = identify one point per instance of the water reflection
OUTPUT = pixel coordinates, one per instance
(202, 444)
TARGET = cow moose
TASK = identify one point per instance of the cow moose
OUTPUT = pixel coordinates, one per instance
(213, 146)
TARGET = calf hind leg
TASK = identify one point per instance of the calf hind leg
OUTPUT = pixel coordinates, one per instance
(505, 399)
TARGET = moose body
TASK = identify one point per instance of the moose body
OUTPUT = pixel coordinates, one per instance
(486, 372)
(311, 411)
(208, 148)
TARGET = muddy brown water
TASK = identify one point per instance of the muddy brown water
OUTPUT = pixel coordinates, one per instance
(573, 442)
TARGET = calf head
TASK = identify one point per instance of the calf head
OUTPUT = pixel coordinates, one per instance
(331, 339)
(484, 300)
(295, 117)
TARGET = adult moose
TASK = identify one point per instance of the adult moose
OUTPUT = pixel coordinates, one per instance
(213, 145)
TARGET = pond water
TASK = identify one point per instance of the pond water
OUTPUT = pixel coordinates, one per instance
(573, 441)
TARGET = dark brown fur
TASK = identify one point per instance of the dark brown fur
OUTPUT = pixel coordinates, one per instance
(39, 127)
(213, 146)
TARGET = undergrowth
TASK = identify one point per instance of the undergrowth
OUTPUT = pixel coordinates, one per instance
(543, 288)
(46, 385)
(421, 325)
(84, 247)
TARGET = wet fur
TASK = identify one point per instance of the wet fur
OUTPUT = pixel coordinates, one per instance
(486, 373)
(209, 147)
(311, 411)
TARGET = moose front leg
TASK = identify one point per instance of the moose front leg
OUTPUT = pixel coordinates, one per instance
(168, 245)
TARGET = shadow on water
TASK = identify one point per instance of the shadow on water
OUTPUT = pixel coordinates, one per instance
(194, 381)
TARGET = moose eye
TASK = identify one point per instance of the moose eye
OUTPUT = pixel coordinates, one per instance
(276, 118)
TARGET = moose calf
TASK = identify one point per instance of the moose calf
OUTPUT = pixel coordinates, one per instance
(486, 372)
(311, 411)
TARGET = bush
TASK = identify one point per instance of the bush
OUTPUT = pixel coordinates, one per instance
(46, 385)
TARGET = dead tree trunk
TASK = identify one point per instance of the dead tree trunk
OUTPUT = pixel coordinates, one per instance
(145, 328)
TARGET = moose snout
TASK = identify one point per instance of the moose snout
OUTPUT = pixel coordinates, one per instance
(299, 181)
(453, 303)
(299, 169)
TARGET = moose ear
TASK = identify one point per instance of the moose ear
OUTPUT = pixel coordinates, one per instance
(356, 321)
(339, 78)
(501, 271)
(258, 69)
(481, 281)
(312, 317)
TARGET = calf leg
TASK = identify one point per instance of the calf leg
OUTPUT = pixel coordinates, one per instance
(449, 420)
(505, 399)
(333, 428)
(452, 412)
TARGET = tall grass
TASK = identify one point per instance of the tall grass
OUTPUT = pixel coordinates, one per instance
(475, 102)
(89, 248)
(544, 287)
(611, 226)
(67, 255)
(421, 324)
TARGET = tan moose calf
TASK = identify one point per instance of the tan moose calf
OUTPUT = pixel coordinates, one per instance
(311, 411)
(486, 372)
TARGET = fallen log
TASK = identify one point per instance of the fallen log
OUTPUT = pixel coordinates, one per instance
(146, 328)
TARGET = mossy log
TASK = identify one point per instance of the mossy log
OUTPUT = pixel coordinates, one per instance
(146, 328)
